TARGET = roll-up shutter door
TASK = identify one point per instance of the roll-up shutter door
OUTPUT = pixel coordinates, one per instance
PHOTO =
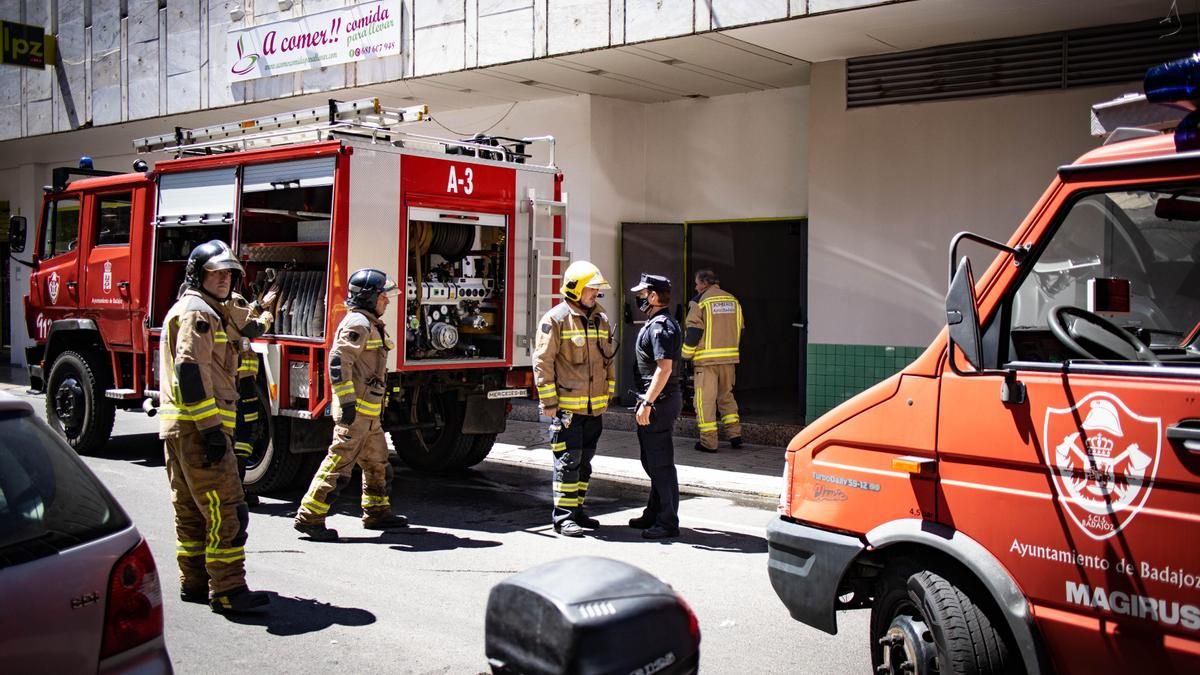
(197, 195)
(301, 173)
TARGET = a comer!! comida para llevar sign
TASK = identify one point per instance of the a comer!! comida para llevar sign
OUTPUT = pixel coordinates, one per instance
(363, 31)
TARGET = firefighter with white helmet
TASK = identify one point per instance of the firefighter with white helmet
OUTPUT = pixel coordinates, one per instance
(198, 394)
(357, 374)
(575, 374)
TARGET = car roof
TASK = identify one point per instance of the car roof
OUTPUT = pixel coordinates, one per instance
(10, 403)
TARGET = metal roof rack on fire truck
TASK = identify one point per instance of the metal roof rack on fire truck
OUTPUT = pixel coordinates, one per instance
(364, 119)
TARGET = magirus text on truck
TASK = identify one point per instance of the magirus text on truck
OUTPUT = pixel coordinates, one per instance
(475, 226)
(1025, 496)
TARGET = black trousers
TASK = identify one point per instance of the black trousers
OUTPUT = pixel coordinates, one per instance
(573, 447)
(658, 460)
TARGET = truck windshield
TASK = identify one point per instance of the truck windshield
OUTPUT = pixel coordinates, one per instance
(1147, 238)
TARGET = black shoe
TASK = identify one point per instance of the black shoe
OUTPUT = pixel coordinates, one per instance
(568, 528)
(642, 523)
(238, 601)
(316, 531)
(735, 442)
(700, 446)
(194, 594)
(659, 532)
(251, 500)
(389, 522)
(586, 522)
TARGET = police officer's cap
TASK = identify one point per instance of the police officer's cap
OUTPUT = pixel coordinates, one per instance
(653, 282)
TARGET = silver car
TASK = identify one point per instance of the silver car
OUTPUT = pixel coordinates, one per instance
(79, 592)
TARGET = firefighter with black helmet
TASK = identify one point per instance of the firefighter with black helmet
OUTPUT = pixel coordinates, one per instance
(357, 374)
(573, 367)
(198, 397)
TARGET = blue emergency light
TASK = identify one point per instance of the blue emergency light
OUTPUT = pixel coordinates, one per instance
(1177, 84)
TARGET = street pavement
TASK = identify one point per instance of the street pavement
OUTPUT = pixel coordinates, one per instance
(414, 601)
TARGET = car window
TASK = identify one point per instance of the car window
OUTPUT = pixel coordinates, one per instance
(113, 215)
(49, 500)
(1148, 239)
(60, 233)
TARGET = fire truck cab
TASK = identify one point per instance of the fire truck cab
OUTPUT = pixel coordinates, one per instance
(473, 230)
(1025, 496)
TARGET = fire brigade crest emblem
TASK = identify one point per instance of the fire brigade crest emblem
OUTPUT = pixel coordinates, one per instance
(106, 279)
(52, 287)
(1103, 457)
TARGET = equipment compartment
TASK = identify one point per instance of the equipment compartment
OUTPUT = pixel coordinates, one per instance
(457, 312)
(284, 226)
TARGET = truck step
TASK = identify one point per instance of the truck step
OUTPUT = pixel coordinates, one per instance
(122, 394)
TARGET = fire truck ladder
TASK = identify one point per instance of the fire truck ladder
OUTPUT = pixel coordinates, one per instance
(365, 119)
(542, 250)
(365, 115)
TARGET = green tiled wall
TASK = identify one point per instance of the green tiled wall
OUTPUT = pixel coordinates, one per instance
(838, 372)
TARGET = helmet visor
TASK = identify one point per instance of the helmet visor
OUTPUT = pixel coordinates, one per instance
(598, 282)
(223, 261)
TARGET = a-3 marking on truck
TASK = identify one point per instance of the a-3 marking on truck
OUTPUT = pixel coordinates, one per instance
(1105, 466)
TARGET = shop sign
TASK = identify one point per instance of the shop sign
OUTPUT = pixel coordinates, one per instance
(347, 35)
(24, 45)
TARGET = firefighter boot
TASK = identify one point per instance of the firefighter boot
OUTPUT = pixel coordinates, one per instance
(585, 521)
(701, 447)
(239, 600)
(735, 442)
(316, 531)
(197, 594)
(568, 528)
(387, 521)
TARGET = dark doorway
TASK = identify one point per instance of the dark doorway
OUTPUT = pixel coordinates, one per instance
(764, 263)
(657, 248)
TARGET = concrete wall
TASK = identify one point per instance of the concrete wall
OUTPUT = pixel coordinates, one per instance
(149, 61)
(889, 186)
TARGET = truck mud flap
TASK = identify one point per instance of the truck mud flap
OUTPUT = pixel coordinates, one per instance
(805, 565)
(484, 416)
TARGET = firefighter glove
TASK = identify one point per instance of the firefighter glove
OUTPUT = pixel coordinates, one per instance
(215, 445)
(348, 413)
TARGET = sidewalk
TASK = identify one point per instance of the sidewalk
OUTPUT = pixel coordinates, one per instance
(751, 473)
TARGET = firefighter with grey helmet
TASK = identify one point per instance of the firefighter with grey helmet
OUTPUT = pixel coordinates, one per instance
(357, 375)
(198, 395)
(575, 375)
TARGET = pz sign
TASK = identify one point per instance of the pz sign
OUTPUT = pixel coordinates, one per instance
(24, 45)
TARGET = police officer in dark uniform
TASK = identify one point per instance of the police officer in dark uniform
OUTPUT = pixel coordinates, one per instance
(659, 402)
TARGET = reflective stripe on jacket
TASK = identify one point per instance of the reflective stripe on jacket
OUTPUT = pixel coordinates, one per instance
(358, 364)
(573, 359)
(194, 335)
(714, 328)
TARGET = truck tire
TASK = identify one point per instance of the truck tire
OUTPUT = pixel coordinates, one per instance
(75, 402)
(439, 448)
(921, 623)
(271, 467)
(481, 445)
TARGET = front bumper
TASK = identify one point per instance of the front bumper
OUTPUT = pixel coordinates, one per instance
(806, 565)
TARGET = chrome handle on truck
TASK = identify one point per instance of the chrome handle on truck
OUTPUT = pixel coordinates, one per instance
(1187, 434)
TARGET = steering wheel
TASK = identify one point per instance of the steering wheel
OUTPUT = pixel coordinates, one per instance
(1071, 324)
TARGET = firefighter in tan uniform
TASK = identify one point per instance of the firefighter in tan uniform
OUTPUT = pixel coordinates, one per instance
(246, 320)
(357, 373)
(198, 394)
(575, 374)
(710, 341)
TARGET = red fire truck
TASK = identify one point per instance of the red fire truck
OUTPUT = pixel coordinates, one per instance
(475, 227)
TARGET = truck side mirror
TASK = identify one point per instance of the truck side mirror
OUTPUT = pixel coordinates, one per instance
(962, 318)
(17, 228)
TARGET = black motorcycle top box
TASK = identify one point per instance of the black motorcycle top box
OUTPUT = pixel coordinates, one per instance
(589, 616)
